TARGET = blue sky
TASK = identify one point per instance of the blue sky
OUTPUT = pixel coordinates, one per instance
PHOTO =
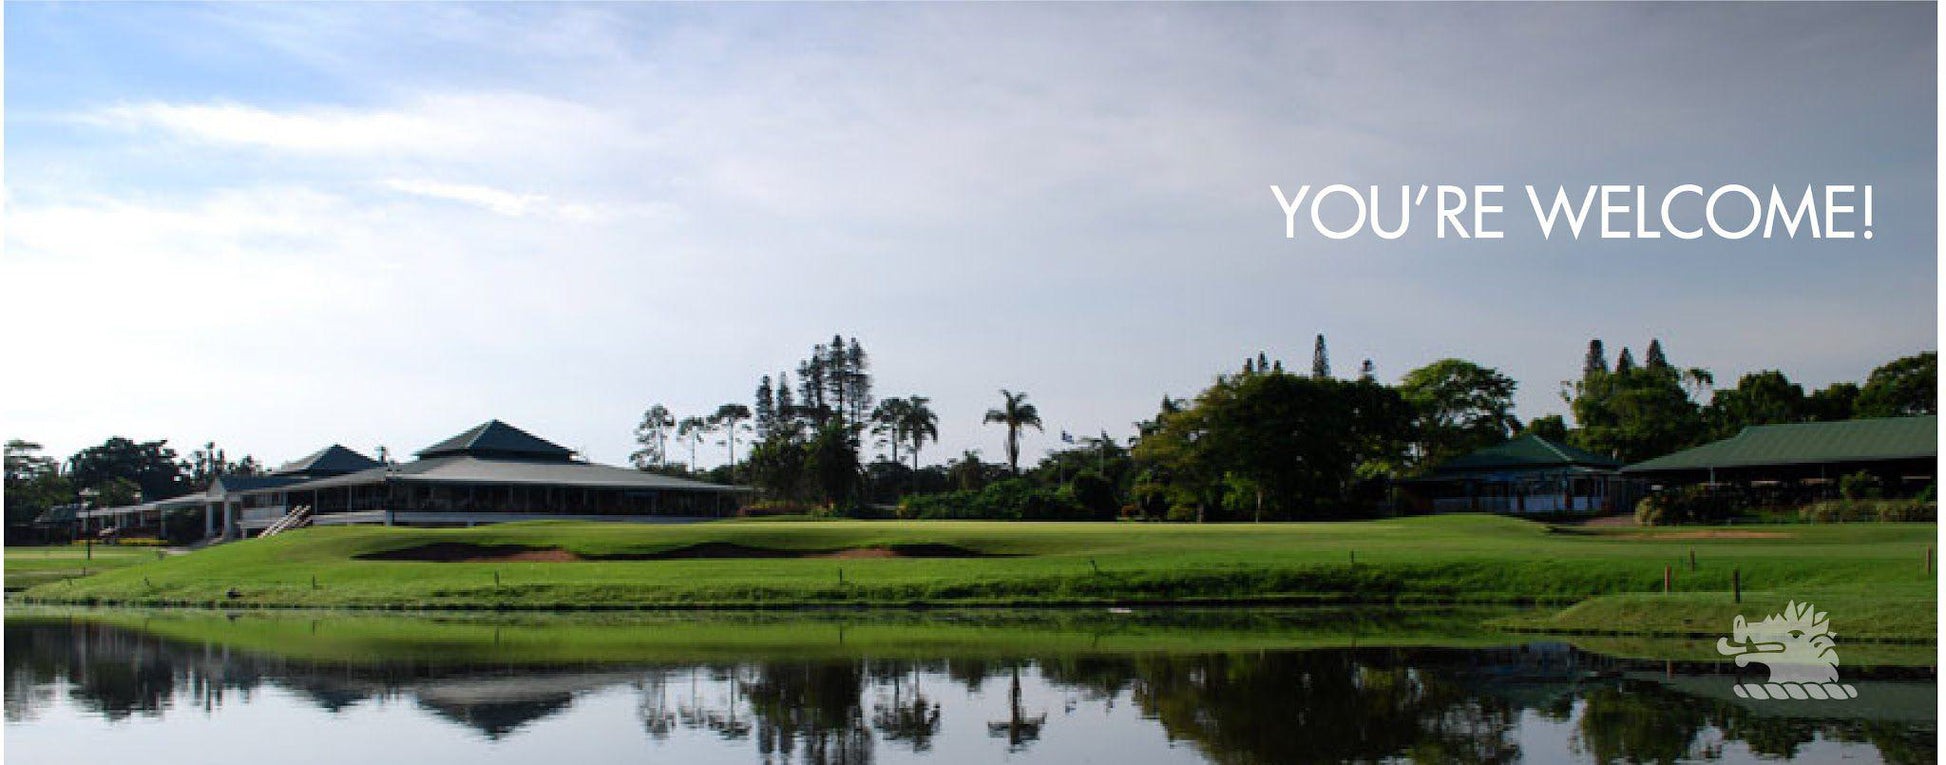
(278, 226)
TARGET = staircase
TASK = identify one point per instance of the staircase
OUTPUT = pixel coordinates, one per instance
(298, 517)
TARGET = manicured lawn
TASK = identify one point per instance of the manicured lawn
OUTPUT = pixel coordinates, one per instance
(29, 566)
(1875, 570)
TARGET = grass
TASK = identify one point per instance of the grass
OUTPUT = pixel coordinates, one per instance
(29, 566)
(1871, 577)
(543, 639)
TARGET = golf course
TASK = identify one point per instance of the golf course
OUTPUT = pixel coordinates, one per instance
(1874, 578)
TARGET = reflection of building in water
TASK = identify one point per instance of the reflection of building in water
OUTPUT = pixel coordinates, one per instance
(1428, 704)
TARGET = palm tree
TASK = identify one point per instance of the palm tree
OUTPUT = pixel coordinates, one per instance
(1015, 413)
(920, 424)
(890, 419)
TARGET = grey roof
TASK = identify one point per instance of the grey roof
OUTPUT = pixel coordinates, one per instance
(465, 469)
(230, 484)
(331, 460)
(496, 438)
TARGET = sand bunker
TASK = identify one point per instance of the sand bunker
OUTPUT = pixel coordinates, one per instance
(458, 552)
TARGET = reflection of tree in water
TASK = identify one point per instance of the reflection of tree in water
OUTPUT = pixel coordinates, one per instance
(1423, 704)
(1320, 706)
(908, 717)
(1639, 721)
(1019, 729)
(816, 705)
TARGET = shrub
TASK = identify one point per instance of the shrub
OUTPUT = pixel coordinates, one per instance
(1688, 504)
(1095, 495)
(1859, 485)
(1854, 511)
(1015, 499)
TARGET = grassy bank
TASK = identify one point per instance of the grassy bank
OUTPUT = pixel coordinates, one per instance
(532, 638)
(1871, 576)
(29, 566)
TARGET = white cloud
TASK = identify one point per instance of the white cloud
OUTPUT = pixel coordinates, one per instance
(498, 201)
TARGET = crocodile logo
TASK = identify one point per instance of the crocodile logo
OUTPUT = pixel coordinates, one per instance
(1798, 647)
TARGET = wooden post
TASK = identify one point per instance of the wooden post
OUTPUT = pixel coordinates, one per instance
(1692, 560)
(1666, 574)
(1736, 585)
(496, 580)
(1929, 560)
(841, 576)
(1354, 557)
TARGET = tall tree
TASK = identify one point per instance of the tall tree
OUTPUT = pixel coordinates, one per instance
(1320, 359)
(1900, 388)
(693, 429)
(1655, 360)
(730, 418)
(858, 384)
(921, 425)
(150, 466)
(1015, 413)
(889, 419)
(1759, 398)
(1832, 403)
(652, 436)
(789, 417)
(1596, 362)
(1624, 363)
(765, 409)
(1458, 407)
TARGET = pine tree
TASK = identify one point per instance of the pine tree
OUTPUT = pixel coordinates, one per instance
(787, 413)
(858, 379)
(1596, 362)
(1320, 360)
(1654, 360)
(766, 409)
(1624, 363)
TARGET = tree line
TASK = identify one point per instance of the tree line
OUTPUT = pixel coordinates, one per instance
(1260, 443)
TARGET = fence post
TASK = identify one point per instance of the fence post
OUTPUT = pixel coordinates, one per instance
(1736, 585)
(1667, 572)
(1692, 559)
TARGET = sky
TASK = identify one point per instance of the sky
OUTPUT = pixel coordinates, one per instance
(282, 226)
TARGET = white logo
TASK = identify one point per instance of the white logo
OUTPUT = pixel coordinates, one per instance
(1798, 648)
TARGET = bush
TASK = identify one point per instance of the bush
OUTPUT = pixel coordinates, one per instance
(1095, 495)
(1688, 504)
(1859, 485)
(1015, 499)
(1855, 511)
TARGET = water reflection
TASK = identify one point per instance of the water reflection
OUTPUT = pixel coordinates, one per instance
(1539, 701)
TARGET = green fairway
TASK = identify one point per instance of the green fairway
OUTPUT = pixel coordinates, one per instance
(29, 566)
(1875, 572)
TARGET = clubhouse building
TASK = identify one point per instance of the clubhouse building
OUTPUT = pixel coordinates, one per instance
(492, 472)
(1526, 475)
(1769, 464)
(1810, 457)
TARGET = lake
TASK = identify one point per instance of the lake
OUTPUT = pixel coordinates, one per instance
(1162, 686)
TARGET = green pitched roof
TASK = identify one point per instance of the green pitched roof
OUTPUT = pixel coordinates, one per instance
(331, 460)
(494, 438)
(1528, 452)
(1809, 443)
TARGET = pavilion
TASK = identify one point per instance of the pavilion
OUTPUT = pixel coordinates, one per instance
(1528, 474)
